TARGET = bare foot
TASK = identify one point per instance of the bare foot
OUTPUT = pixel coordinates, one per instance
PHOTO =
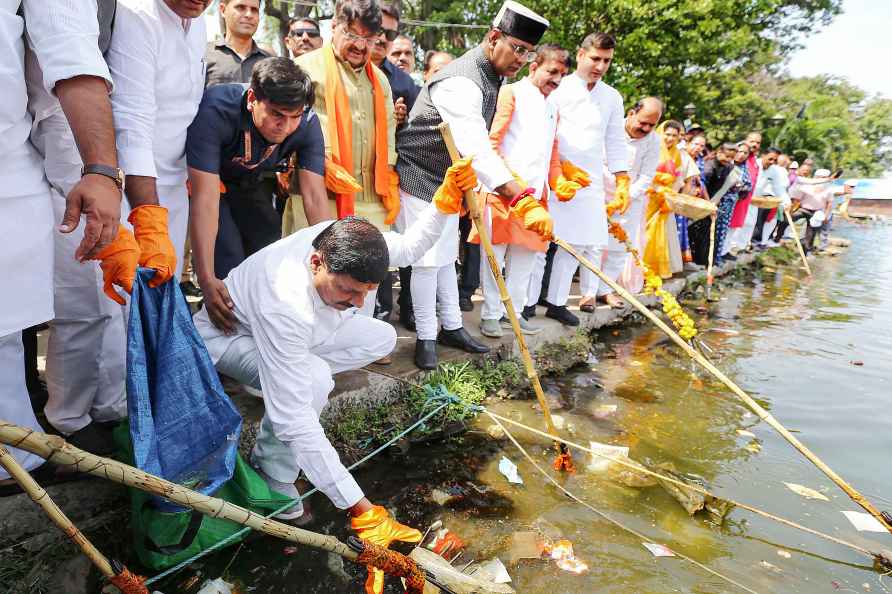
(614, 301)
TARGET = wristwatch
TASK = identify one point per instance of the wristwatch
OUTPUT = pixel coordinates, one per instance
(114, 173)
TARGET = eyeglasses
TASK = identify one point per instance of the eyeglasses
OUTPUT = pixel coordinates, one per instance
(523, 53)
(311, 33)
(358, 39)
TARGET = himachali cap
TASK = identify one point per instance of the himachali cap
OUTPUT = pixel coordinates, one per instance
(518, 21)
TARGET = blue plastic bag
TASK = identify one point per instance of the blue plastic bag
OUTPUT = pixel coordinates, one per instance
(183, 427)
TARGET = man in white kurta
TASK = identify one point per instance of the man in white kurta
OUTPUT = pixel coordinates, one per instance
(463, 94)
(297, 303)
(64, 38)
(773, 180)
(590, 133)
(643, 146)
(156, 58)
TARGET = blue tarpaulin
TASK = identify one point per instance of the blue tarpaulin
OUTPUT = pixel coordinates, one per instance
(183, 427)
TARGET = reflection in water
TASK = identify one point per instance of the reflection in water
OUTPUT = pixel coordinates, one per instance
(786, 339)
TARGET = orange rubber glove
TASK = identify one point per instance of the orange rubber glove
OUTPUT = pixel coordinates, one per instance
(118, 261)
(575, 174)
(338, 180)
(563, 188)
(535, 217)
(460, 178)
(391, 201)
(378, 527)
(156, 250)
(621, 199)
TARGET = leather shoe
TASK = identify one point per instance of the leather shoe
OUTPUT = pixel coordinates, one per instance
(460, 339)
(94, 438)
(465, 304)
(426, 354)
(562, 315)
(529, 312)
(407, 319)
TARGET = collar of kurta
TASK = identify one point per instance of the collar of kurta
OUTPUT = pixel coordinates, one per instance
(340, 127)
(255, 49)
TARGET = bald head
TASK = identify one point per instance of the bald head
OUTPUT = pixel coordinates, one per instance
(644, 117)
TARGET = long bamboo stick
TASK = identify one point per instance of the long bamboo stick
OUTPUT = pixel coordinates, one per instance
(39, 495)
(752, 404)
(795, 233)
(709, 278)
(482, 231)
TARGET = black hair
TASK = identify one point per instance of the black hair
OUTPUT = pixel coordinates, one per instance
(598, 40)
(281, 82)
(429, 55)
(355, 247)
(305, 19)
(772, 149)
(552, 51)
(729, 146)
(366, 12)
(391, 7)
(675, 125)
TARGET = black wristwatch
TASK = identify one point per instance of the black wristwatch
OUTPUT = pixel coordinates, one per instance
(114, 173)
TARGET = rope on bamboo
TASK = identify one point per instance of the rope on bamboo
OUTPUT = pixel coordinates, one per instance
(128, 582)
(395, 564)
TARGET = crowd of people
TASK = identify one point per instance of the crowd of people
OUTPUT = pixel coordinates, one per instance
(234, 162)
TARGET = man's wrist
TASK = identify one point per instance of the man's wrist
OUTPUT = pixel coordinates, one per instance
(520, 196)
(360, 507)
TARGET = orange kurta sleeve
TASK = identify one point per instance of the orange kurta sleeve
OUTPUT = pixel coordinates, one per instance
(554, 165)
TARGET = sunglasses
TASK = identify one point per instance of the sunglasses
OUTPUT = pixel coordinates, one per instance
(389, 34)
(311, 33)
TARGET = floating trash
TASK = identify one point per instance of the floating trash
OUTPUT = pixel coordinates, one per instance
(864, 522)
(602, 463)
(658, 550)
(562, 554)
(509, 470)
(806, 492)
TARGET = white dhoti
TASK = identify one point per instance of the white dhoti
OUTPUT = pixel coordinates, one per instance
(564, 266)
(434, 285)
(739, 237)
(617, 260)
(85, 367)
(356, 343)
(517, 262)
(537, 273)
(26, 263)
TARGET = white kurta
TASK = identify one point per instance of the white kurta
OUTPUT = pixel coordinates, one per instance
(644, 156)
(62, 37)
(292, 330)
(590, 132)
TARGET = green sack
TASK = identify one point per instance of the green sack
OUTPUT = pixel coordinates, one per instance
(163, 539)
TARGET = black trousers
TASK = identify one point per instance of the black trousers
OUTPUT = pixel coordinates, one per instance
(469, 280)
(248, 222)
(761, 219)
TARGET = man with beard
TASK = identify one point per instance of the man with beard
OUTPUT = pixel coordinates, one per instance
(643, 147)
(464, 95)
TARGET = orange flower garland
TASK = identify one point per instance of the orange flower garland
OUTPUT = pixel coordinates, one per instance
(653, 285)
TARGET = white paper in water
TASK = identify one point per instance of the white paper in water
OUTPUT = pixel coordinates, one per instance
(658, 550)
(494, 571)
(864, 522)
(509, 469)
(600, 463)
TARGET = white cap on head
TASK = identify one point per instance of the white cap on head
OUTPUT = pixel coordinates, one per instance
(794, 165)
(822, 173)
(851, 183)
(518, 21)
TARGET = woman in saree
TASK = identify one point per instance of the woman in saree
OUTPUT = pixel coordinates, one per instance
(662, 253)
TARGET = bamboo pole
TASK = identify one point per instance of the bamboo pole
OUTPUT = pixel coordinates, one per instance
(795, 233)
(746, 398)
(482, 231)
(709, 278)
(39, 495)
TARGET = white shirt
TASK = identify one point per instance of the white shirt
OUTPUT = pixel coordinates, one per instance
(644, 156)
(278, 306)
(460, 103)
(772, 182)
(157, 63)
(64, 36)
(590, 132)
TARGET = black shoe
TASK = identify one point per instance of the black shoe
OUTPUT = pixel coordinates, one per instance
(460, 339)
(562, 315)
(426, 354)
(94, 438)
(465, 304)
(39, 395)
(407, 318)
(730, 257)
(529, 312)
(382, 314)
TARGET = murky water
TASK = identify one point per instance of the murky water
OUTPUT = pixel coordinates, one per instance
(788, 340)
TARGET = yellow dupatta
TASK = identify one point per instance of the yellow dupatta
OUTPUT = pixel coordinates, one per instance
(656, 250)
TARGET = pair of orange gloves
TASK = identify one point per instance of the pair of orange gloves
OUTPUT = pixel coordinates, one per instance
(565, 185)
(572, 178)
(339, 181)
(147, 245)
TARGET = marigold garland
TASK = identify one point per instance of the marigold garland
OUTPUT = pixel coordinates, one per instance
(653, 285)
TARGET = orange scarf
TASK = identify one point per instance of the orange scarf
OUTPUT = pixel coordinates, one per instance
(340, 128)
